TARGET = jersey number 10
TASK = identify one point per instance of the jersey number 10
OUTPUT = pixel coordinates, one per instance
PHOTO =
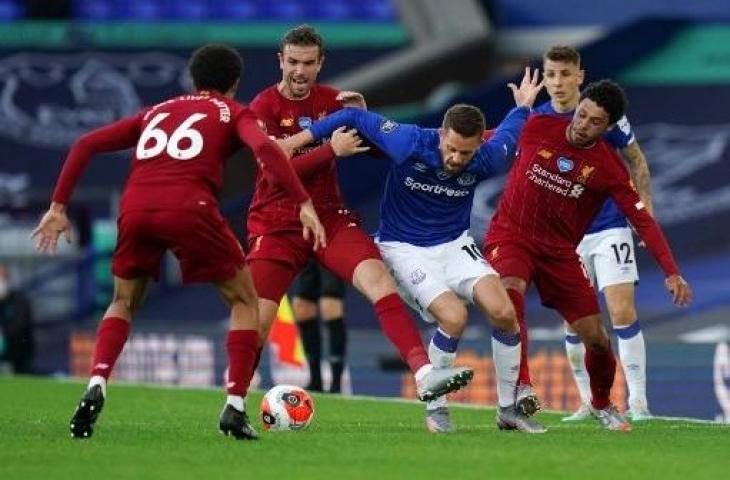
(172, 144)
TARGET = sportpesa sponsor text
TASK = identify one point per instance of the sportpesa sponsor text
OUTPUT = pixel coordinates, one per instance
(435, 189)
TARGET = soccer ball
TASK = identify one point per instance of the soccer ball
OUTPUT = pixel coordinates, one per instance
(286, 407)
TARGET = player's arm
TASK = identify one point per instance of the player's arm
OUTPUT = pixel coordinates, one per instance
(639, 168)
(119, 135)
(397, 141)
(343, 143)
(631, 205)
(499, 150)
(275, 164)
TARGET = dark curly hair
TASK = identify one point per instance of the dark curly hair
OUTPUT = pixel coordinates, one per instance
(466, 120)
(608, 95)
(215, 67)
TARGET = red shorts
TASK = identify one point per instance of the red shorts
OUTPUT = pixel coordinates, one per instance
(201, 240)
(276, 258)
(562, 282)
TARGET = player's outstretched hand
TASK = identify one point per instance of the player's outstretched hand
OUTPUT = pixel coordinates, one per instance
(312, 225)
(680, 290)
(352, 99)
(526, 93)
(53, 223)
(346, 142)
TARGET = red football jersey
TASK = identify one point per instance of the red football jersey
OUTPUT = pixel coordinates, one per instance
(181, 146)
(271, 209)
(554, 190)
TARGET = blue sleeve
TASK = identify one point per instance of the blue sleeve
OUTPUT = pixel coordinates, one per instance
(621, 135)
(396, 140)
(496, 154)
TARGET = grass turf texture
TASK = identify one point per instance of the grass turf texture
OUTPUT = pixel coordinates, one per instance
(172, 434)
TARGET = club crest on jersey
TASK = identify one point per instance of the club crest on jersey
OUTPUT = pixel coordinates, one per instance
(388, 126)
(286, 122)
(466, 179)
(420, 167)
(565, 164)
(417, 276)
(586, 172)
(305, 122)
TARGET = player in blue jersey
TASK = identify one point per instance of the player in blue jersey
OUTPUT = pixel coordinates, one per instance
(423, 232)
(607, 250)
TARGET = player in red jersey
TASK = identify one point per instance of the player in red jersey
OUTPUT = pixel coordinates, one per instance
(169, 202)
(301, 101)
(561, 177)
(278, 254)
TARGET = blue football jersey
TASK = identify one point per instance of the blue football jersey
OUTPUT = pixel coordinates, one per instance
(422, 204)
(619, 137)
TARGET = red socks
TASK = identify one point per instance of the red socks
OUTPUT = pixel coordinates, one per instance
(110, 339)
(400, 329)
(243, 350)
(601, 367)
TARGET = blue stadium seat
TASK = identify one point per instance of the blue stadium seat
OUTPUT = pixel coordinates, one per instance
(143, 10)
(335, 10)
(289, 10)
(382, 11)
(238, 10)
(11, 10)
(191, 10)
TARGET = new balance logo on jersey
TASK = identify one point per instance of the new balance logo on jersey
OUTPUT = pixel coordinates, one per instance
(546, 154)
(413, 185)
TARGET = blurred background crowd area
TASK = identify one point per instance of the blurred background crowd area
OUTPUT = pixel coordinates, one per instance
(69, 66)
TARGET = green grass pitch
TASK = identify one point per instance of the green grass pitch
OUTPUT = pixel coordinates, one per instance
(157, 433)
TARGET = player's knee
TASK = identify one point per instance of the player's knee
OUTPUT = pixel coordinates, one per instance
(622, 313)
(372, 278)
(453, 321)
(597, 340)
(504, 317)
(303, 310)
(128, 302)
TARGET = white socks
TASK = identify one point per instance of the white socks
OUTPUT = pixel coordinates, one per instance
(506, 355)
(576, 353)
(98, 380)
(236, 401)
(441, 359)
(632, 352)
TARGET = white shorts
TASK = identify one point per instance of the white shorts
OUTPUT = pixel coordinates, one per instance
(424, 273)
(609, 257)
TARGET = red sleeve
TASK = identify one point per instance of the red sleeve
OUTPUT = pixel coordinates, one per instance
(119, 135)
(272, 160)
(627, 199)
(309, 163)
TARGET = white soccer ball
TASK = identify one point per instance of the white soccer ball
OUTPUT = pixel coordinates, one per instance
(286, 408)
